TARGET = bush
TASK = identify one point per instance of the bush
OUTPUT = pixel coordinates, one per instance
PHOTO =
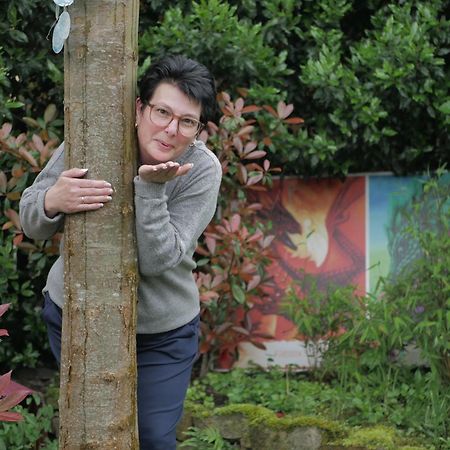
(235, 250)
(369, 78)
(33, 432)
(212, 33)
(24, 263)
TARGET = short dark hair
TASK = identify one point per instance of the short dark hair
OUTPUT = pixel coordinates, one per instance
(190, 76)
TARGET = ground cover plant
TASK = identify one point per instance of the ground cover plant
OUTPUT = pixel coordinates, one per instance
(401, 406)
(363, 378)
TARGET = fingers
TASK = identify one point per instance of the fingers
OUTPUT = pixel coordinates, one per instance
(74, 173)
(95, 199)
(184, 169)
(71, 193)
(164, 172)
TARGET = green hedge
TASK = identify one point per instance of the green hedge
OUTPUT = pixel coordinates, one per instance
(369, 78)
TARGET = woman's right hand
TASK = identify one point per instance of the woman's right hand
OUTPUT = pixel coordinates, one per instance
(72, 193)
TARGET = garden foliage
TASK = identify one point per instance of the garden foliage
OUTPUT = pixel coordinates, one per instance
(370, 81)
(369, 78)
(24, 263)
(369, 338)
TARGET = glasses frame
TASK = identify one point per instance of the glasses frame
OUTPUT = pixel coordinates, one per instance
(200, 125)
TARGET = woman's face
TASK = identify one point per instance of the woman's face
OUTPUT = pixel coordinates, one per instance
(159, 144)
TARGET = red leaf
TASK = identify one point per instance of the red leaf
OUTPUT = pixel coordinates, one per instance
(238, 144)
(10, 417)
(3, 332)
(18, 239)
(245, 130)
(7, 225)
(5, 130)
(284, 110)
(240, 330)
(251, 108)
(294, 120)
(258, 234)
(239, 105)
(224, 327)
(225, 96)
(270, 110)
(254, 166)
(37, 141)
(204, 347)
(256, 154)
(13, 399)
(266, 165)
(235, 222)
(21, 139)
(14, 218)
(4, 382)
(242, 174)
(253, 282)
(210, 244)
(254, 179)
(3, 181)
(250, 146)
(259, 345)
(3, 308)
(28, 157)
(208, 296)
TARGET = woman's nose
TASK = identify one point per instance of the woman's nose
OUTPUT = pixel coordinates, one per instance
(172, 127)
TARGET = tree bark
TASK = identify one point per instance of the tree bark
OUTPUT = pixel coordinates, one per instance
(98, 365)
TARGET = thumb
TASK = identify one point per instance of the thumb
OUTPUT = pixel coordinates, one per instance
(74, 173)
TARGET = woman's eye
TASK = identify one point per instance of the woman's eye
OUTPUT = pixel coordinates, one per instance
(163, 112)
(189, 122)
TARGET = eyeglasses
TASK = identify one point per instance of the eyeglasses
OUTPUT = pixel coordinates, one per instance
(161, 116)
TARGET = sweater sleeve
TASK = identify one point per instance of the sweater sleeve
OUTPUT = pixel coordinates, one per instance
(167, 227)
(35, 223)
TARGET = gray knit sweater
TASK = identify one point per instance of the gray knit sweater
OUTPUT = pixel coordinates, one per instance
(170, 217)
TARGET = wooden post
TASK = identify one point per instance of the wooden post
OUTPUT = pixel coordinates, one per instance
(98, 369)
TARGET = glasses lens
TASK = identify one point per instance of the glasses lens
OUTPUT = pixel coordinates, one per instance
(161, 117)
(188, 127)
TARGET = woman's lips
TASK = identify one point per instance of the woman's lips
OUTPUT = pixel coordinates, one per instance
(164, 145)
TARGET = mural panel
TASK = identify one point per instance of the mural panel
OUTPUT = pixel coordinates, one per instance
(340, 232)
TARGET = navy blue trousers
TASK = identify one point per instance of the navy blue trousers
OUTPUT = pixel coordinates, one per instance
(164, 363)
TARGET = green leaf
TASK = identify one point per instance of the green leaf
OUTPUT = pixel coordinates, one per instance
(238, 293)
(12, 105)
(445, 107)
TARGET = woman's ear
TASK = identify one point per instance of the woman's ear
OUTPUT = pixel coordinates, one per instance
(139, 107)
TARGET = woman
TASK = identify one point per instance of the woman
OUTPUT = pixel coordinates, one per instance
(175, 198)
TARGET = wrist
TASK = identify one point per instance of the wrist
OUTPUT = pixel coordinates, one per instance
(49, 208)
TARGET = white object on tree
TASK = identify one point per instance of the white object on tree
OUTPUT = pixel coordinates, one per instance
(61, 31)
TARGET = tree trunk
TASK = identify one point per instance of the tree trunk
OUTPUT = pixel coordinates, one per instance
(98, 365)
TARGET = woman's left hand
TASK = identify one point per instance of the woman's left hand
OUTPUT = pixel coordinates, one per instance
(161, 173)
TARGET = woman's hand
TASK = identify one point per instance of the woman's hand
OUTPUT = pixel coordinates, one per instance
(72, 193)
(161, 173)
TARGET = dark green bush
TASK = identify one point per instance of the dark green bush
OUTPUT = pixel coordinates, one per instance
(33, 71)
(212, 33)
(24, 264)
(369, 78)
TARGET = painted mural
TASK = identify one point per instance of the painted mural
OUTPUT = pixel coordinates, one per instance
(341, 232)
